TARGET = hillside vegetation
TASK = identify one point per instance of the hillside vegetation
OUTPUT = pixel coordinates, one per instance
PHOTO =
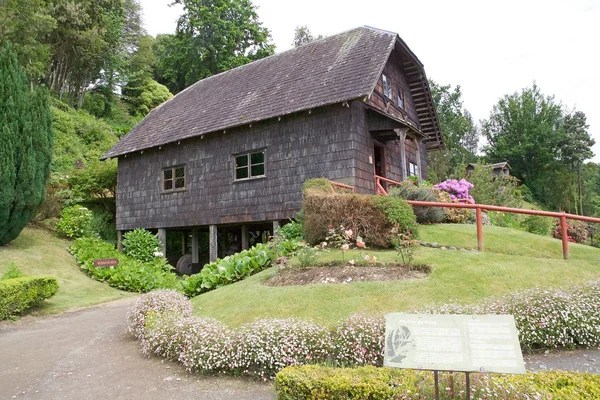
(513, 261)
(37, 252)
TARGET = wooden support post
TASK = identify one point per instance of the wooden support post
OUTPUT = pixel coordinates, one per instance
(212, 234)
(244, 237)
(468, 384)
(565, 236)
(183, 243)
(162, 238)
(120, 241)
(402, 137)
(275, 228)
(436, 385)
(418, 143)
(479, 228)
(195, 255)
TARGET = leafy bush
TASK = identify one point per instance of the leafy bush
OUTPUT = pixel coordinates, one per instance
(155, 303)
(316, 186)
(103, 224)
(19, 294)
(229, 269)
(317, 382)
(496, 191)
(308, 256)
(141, 245)
(504, 219)
(75, 222)
(266, 346)
(292, 230)
(12, 271)
(576, 231)
(537, 224)
(409, 191)
(369, 216)
(454, 215)
(130, 274)
(358, 340)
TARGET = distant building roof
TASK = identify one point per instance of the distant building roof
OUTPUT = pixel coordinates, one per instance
(499, 165)
(332, 70)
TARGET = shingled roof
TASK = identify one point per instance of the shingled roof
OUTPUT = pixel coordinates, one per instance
(335, 69)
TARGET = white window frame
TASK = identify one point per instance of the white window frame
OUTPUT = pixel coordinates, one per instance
(413, 169)
(387, 86)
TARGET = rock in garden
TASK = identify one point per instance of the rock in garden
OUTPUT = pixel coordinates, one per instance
(434, 245)
(451, 248)
(443, 248)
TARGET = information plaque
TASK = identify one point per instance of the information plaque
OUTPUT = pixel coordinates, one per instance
(467, 343)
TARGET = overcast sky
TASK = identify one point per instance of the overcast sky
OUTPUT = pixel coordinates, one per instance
(488, 48)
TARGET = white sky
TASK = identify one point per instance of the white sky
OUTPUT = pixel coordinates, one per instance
(488, 48)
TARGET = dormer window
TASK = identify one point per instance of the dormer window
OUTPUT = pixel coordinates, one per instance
(400, 98)
(387, 86)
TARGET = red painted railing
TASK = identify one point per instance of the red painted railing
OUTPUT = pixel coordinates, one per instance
(480, 207)
(341, 185)
(379, 187)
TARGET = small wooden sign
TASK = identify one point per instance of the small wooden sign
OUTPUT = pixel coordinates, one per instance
(106, 262)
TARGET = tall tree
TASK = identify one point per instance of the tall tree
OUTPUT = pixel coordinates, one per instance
(302, 35)
(576, 148)
(27, 24)
(213, 36)
(25, 146)
(460, 134)
(526, 129)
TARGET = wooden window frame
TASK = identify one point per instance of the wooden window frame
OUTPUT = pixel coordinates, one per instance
(413, 169)
(173, 179)
(249, 165)
(384, 79)
(401, 97)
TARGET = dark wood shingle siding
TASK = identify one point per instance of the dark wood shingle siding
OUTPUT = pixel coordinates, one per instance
(297, 148)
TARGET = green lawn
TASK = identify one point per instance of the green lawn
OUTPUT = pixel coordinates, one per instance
(513, 260)
(38, 252)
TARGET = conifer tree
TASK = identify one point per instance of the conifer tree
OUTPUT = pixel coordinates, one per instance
(25, 146)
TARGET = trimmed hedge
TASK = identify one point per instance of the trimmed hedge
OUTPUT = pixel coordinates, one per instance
(374, 218)
(19, 294)
(317, 382)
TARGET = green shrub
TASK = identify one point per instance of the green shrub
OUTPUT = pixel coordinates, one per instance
(317, 382)
(19, 294)
(498, 191)
(141, 245)
(505, 220)
(292, 230)
(230, 269)
(308, 256)
(409, 191)
(371, 217)
(130, 274)
(75, 222)
(317, 185)
(537, 224)
(103, 224)
(12, 271)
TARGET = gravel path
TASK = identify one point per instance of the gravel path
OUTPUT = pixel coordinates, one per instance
(582, 360)
(87, 354)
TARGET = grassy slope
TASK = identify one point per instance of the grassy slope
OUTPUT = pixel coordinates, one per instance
(457, 276)
(38, 252)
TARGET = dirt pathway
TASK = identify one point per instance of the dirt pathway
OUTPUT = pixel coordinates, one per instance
(87, 354)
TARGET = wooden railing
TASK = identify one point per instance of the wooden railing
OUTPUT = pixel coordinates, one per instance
(341, 185)
(480, 207)
(379, 187)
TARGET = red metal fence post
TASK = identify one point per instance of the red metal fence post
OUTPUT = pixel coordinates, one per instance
(565, 236)
(479, 229)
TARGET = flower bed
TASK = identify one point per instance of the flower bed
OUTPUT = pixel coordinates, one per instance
(544, 318)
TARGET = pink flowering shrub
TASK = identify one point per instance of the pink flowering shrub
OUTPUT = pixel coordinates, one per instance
(358, 340)
(576, 231)
(546, 318)
(207, 346)
(458, 190)
(268, 345)
(156, 302)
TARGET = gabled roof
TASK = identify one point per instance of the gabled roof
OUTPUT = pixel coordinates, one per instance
(332, 70)
(494, 165)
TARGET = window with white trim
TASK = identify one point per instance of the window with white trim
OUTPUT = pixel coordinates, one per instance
(400, 98)
(173, 178)
(387, 86)
(413, 169)
(249, 165)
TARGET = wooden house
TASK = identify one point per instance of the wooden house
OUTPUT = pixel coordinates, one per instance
(229, 154)
(498, 169)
